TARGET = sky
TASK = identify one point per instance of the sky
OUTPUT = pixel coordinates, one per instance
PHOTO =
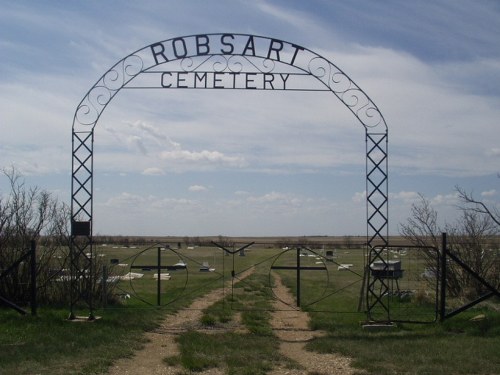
(256, 163)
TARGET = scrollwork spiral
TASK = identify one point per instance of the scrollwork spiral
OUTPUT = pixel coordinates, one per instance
(320, 68)
(132, 66)
(370, 116)
(236, 63)
(219, 63)
(93, 104)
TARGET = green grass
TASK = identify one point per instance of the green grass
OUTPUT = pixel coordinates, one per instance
(255, 352)
(238, 353)
(456, 347)
(53, 345)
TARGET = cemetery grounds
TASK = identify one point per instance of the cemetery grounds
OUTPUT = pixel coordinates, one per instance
(210, 323)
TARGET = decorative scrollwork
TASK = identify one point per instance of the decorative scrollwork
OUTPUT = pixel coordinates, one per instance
(92, 105)
(110, 83)
(339, 82)
(267, 65)
(132, 66)
(370, 116)
(189, 64)
(85, 114)
(113, 79)
(320, 68)
(354, 98)
(219, 63)
(347, 91)
(236, 64)
(125, 70)
(362, 107)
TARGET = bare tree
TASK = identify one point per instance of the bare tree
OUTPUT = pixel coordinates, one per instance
(31, 214)
(471, 204)
(471, 238)
(421, 229)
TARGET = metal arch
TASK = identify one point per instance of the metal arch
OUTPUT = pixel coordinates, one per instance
(231, 54)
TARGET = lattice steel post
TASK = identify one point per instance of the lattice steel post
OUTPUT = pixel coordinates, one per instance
(81, 249)
(377, 223)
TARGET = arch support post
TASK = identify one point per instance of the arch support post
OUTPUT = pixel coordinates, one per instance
(377, 213)
(81, 247)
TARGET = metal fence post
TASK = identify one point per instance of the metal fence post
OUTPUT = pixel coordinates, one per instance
(158, 283)
(34, 303)
(444, 250)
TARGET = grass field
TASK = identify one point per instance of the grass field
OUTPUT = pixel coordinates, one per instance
(52, 345)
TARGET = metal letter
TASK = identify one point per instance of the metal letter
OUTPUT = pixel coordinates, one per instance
(248, 80)
(269, 78)
(228, 44)
(182, 79)
(218, 80)
(297, 48)
(163, 80)
(284, 79)
(158, 53)
(200, 43)
(183, 45)
(277, 50)
(202, 78)
(249, 46)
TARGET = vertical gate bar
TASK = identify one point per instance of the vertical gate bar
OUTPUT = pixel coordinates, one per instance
(442, 305)
(92, 271)
(298, 276)
(34, 302)
(158, 283)
(91, 279)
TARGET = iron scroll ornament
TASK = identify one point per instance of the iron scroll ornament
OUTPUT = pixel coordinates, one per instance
(228, 53)
(223, 61)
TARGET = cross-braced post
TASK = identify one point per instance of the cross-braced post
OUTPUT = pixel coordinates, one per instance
(81, 249)
(377, 223)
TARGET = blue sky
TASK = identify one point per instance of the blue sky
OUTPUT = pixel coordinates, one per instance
(199, 162)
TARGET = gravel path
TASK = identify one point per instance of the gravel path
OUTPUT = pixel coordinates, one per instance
(291, 327)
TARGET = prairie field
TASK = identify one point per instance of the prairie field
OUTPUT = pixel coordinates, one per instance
(330, 290)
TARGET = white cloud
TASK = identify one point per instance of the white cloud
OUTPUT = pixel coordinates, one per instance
(494, 151)
(202, 157)
(146, 203)
(489, 193)
(276, 197)
(196, 188)
(153, 171)
(405, 196)
(241, 193)
(359, 197)
(126, 199)
(445, 199)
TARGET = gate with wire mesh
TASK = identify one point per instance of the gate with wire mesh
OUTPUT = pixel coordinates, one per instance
(322, 278)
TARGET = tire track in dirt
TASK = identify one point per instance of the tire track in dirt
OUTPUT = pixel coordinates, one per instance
(161, 341)
(290, 326)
